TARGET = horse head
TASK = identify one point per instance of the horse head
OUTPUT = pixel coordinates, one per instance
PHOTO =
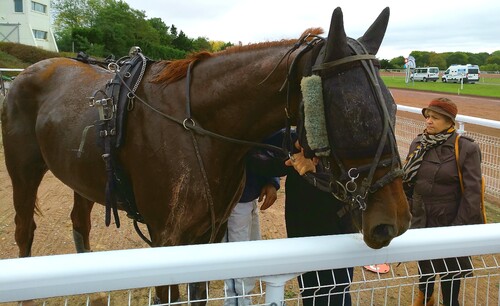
(347, 120)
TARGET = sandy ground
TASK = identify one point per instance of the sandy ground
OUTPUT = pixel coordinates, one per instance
(54, 232)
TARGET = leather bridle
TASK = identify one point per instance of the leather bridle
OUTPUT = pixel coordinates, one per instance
(344, 184)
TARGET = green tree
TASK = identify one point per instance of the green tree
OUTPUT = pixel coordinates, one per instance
(398, 62)
(494, 59)
(437, 60)
(421, 58)
(490, 67)
(386, 64)
(182, 42)
(163, 30)
(173, 31)
(475, 59)
(457, 58)
(202, 44)
(69, 14)
(103, 27)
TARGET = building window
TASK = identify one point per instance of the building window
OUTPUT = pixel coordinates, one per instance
(18, 6)
(40, 34)
(38, 7)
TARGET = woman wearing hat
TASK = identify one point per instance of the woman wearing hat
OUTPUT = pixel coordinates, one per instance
(433, 188)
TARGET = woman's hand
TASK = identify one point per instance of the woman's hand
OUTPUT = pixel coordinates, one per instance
(302, 164)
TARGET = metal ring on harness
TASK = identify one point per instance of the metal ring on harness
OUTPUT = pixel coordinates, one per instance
(341, 193)
(350, 176)
(113, 67)
(351, 186)
(130, 104)
(186, 120)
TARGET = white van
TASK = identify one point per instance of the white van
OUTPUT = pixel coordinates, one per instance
(455, 73)
(425, 74)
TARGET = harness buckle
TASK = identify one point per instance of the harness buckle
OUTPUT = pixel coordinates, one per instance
(361, 202)
(185, 121)
(131, 101)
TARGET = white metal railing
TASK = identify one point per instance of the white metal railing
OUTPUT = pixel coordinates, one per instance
(460, 119)
(407, 129)
(275, 261)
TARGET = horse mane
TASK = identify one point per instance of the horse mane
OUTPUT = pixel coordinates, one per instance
(176, 70)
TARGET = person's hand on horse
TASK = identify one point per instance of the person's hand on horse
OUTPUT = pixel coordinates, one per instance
(269, 195)
(302, 164)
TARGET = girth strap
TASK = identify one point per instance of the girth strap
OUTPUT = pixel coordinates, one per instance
(118, 99)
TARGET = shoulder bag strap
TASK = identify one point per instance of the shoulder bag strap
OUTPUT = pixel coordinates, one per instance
(457, 155)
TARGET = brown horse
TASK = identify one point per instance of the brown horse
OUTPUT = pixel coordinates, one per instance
(185, 181)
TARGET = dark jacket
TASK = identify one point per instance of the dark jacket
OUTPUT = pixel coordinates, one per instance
(254, 183)
(255, 180)
(308, 210)
(437, 199)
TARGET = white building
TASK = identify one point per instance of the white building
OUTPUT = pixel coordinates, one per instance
(27, 22)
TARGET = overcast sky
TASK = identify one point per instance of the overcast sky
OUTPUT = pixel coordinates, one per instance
(425, 25)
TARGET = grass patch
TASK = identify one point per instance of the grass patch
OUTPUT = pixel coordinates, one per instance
(487, 87)
(10, 61)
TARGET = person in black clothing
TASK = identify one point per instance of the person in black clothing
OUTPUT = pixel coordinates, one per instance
(311, 212)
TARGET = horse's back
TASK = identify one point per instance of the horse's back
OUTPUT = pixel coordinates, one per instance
(50, 81)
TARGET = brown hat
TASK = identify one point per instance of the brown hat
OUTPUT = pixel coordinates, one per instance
(443, 106)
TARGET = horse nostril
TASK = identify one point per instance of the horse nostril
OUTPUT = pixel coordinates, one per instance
(384, 231)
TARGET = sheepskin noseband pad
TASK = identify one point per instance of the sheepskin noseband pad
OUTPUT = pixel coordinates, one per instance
(314, 115)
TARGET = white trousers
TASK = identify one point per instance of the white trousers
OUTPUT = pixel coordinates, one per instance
(242, 225)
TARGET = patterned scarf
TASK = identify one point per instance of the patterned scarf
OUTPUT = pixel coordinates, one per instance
(414, 160)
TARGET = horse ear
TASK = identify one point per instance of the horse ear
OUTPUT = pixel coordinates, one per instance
(372, 39)
(336, 46)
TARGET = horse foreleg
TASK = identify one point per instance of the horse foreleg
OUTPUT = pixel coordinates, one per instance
(80, 216)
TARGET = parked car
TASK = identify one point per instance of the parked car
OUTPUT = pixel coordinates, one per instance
(425, 74)
(458, 73)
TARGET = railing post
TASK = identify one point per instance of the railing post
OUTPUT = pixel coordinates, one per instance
(275, 288)
(461, 127)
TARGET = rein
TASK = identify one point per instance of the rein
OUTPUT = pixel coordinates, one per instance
(189, 124)
(344, 187)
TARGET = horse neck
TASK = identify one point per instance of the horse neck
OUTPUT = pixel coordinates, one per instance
(235, 102)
